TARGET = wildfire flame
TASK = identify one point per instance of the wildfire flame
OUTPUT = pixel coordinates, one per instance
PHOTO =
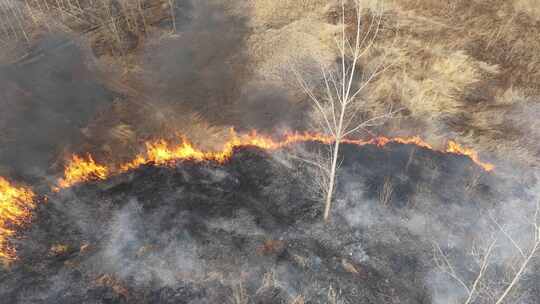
(161, 152)
(16, 204)
(82, 169)
(454, 147)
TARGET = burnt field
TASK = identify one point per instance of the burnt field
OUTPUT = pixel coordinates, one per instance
(251, 229)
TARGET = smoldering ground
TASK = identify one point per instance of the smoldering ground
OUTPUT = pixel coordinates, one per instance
(474, 240)
(199, 232)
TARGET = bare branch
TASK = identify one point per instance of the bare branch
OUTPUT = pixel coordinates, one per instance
(508, 236)
(534, 250)
(485, 263)
(339, 107)
(451, 272)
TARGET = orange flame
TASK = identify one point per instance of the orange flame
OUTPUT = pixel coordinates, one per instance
(82, 169)
(455, 148)
(16, 204)
(161, 152)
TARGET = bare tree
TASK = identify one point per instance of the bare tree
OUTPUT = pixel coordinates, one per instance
(484, 258)
(172, 7)
(527, 254)
(340, 103)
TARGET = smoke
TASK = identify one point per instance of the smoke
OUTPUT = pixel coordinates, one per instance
(135, 253)
(206, 68)
(45, 98)
(60, 99)
(452, 236)
(436, 210)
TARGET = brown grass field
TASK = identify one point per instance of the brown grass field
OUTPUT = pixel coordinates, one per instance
(464, 69)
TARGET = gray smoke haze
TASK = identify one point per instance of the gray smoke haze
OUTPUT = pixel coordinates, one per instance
(125, 256)
(45, 100)
(204, 68)
(454, 238)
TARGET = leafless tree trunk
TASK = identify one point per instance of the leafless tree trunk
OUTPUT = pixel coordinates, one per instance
(172, 7)
(340, 103)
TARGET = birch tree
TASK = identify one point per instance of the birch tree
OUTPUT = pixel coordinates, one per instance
(340, 102)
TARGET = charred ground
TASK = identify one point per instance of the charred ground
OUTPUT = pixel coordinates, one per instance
(201, 233)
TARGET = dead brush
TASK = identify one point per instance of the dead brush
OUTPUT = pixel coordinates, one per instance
(277, 13)
(473, 183)
(529, 7)
(13, 22)
(334, 296)
(450, 54)
(239, 294)
(385, 194)
(110, 281)
(113, 26)
(58, 250)
(269, 281)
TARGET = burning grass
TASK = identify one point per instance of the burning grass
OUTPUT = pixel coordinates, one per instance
(16, 204)
(80, 169)
(162, 153)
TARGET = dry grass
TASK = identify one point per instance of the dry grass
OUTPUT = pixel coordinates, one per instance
(460, 69)
(13, 23)
(463, 69)
(531, 7)
(273, 50)
(113, 27)
(239, 294)
(118, 133)
(488, 31)
(278, 13)
(385, 194)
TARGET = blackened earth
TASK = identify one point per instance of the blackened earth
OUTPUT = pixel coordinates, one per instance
(203, 233)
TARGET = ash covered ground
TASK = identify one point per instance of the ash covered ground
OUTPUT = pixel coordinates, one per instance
(250, 231)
